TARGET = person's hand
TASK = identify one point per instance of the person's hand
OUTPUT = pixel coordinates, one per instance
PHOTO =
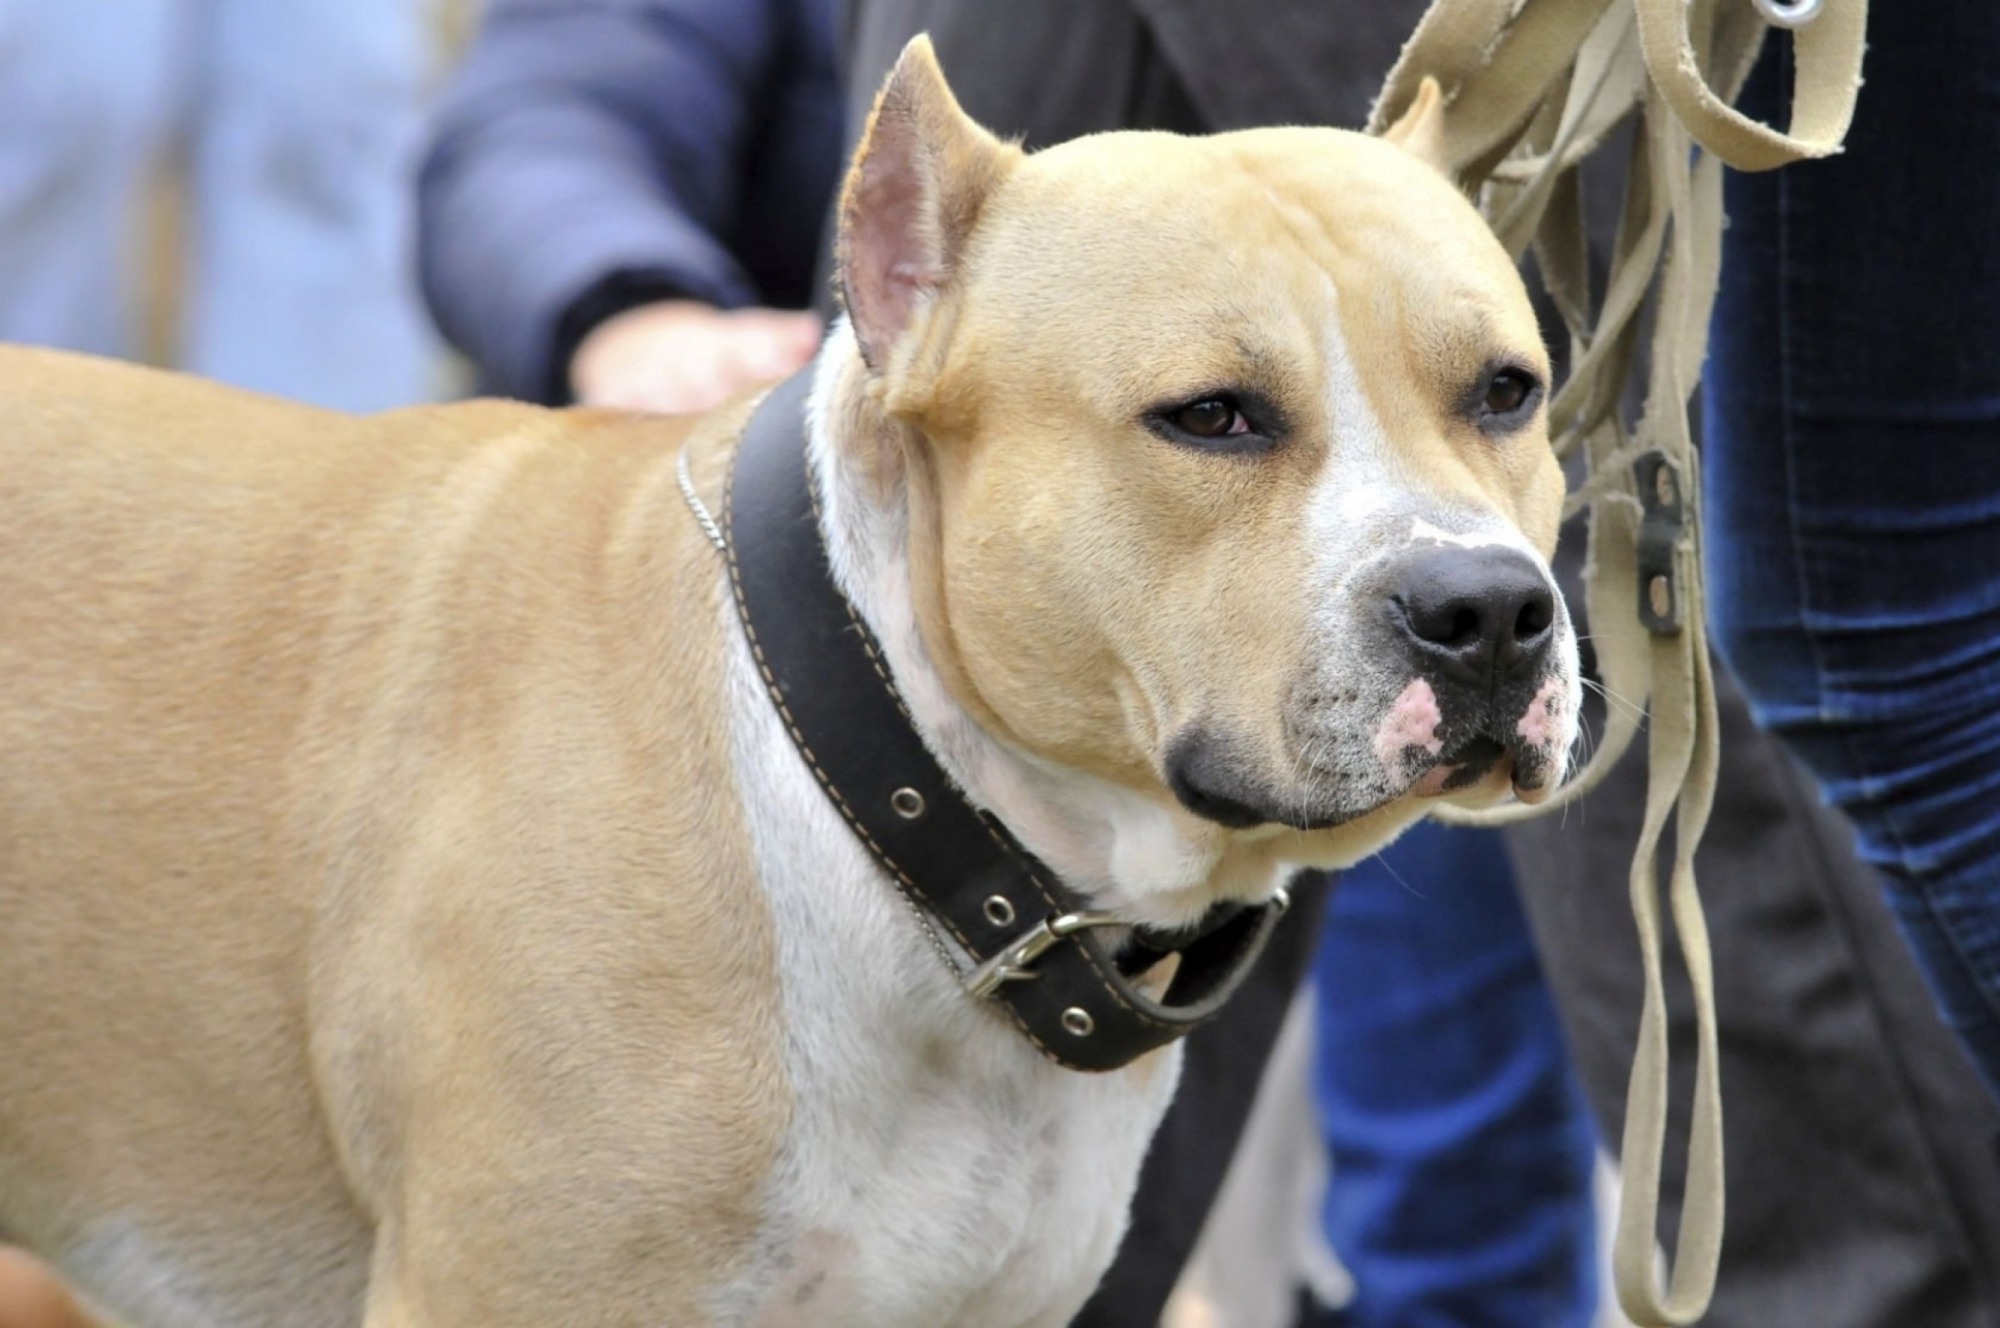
(681, 356)
(31, 1296)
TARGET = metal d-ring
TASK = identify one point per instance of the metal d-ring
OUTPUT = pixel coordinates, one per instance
(1789, 13)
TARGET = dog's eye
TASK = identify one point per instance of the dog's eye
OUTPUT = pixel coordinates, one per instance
(1213, 417)
(1231, 423)
(1508, 392)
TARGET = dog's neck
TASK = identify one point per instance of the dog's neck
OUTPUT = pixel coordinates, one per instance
(1127, 851)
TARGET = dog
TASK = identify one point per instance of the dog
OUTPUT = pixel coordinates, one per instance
(414, 912)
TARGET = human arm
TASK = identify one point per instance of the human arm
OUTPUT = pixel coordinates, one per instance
(590, 159)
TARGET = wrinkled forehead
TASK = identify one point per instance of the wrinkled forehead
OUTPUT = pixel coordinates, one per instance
(1172, 244)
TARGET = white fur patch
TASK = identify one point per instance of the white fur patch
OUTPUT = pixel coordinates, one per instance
(1359, 488)
(136, 1279)
(1351, 506)
(1490, 533)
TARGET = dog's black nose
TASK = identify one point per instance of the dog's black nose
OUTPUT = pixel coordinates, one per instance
(1479, 616)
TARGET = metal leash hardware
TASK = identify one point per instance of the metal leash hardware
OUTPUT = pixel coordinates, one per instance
(1789, 13)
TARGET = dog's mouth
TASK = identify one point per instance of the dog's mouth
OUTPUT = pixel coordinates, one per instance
(1470, 764)
(1212, 780)
(1486, 762)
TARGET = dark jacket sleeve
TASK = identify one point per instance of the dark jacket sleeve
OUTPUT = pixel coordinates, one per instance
(590, 148)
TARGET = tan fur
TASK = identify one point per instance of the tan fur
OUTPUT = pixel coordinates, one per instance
(368, 855)
(1419, 131)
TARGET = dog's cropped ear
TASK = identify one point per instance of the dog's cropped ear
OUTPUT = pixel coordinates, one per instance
(1419, 130)
(921, 174)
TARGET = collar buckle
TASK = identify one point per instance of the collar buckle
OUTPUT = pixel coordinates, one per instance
(1012, 962)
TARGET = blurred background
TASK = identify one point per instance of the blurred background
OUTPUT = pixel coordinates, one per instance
(225, 186)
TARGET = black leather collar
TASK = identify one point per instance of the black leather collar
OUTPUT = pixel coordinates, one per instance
(1036, 950)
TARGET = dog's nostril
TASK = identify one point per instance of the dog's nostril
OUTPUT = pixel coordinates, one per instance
(1448, 622)
(1535, 617)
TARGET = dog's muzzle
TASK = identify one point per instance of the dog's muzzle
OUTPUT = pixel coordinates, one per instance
(1478, 627)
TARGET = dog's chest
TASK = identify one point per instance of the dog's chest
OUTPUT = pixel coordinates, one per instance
(906, 1200)
(937, 1170)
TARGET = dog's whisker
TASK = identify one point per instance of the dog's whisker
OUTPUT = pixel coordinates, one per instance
(1628, 707)
(1306, 776)
(1397, 876)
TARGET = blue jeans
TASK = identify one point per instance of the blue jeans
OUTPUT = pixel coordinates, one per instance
(1853, 479)
(1462, 1154)
(300, 120)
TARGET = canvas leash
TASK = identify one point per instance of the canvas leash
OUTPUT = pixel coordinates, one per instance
(1532, 88)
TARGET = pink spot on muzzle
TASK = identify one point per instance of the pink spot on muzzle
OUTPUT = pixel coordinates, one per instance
(1539, 764)
(1412, 721)
(1541, 724)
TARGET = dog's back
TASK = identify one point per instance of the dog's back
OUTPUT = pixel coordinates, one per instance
(250, 650)
(170, 567)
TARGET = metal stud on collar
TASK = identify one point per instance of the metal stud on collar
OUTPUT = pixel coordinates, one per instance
(907, 803)
(1076, 1021)
(999, 910)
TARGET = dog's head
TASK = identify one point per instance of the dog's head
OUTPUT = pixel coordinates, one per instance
(1228, 478)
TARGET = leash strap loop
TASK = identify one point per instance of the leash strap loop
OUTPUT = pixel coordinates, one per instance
(1675, 36)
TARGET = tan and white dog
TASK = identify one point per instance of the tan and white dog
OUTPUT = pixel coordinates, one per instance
(412, 912)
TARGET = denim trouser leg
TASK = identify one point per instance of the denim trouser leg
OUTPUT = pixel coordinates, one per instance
(1853, 479)
(1461, 1191)
(87, 98)
(305, 124)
